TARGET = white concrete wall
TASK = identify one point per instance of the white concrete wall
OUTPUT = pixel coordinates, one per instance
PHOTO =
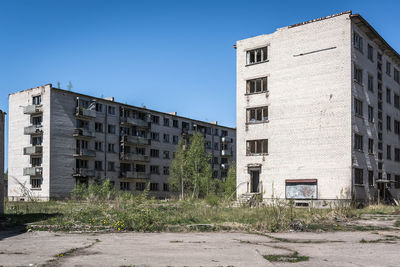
(309, 128)
(17, 161)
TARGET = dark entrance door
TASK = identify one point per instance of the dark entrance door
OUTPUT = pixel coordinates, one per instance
(255, 179)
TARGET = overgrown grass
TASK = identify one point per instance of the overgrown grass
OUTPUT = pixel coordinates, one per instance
(100, 208)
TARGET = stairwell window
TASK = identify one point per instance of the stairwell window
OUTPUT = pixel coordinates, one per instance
(358, 142)
(259, 85)
(358, 176)
(257, 55)
(370, 53)
(358, 74)
(358, 107)
(370, 178)
(256, 115)
(257, 147)
(396, 75)
(358, 42)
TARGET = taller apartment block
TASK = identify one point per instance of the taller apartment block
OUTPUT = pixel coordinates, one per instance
(318, 113)
(59, 138)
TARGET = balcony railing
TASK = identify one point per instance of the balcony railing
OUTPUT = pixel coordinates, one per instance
(33, 109)
(84, 112)
(133, 157)
(134, 175)
(226, 152)
(80, 132)
(137, 140)
(83, 152)
(33, 150)
(33, 171)
(33, 129)
(135, 122)
(85, 172)
(226, 139)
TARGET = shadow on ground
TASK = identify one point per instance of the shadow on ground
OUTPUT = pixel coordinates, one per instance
(15, 224)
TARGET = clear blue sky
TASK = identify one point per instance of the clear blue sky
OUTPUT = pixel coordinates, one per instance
(167, 55)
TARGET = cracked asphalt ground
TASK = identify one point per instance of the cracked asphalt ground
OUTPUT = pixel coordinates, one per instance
(372, 248)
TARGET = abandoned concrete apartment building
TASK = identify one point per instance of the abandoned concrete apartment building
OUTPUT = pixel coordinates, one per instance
(58, 138)
(318, 113)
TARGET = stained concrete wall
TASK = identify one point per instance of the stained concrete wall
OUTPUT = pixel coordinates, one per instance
(59, 144)
(309, 129)
(361, 125)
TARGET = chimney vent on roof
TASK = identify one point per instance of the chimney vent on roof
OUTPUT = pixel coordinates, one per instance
(109, 98)
(214, 122)
(173, 113)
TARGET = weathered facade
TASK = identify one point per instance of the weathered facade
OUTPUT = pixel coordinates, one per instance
(318, 112)
(58, 138)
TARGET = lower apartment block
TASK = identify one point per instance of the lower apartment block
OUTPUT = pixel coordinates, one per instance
(318, 113)
(59, 138)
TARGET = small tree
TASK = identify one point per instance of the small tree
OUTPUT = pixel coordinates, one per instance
(198, 162)
(178, 168)
(230, 181)
(191, 172)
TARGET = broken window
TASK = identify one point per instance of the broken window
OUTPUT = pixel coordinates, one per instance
(154, 169)
(36, 100)
(124, 186)
(358, 74)
(140, 168)
(256, 85)
(37, 120)
(358, 142)
(257, 147)
(153, 186)
(36, 183)
(259, 114)
(257, 55)
(358, 176)
(358, 107)
(166, 170)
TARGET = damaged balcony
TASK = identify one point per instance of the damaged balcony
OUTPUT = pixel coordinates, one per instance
(33, 109)
(85, 112)
(84, 153)
(33, 129)
(83, 133)
(33, 150)
(133, 157)
(226, 152)
(224, 166)
(135, 140)
(133, 175)
(226, 139)
(33, 171)
(134, 122)
(84, 172)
